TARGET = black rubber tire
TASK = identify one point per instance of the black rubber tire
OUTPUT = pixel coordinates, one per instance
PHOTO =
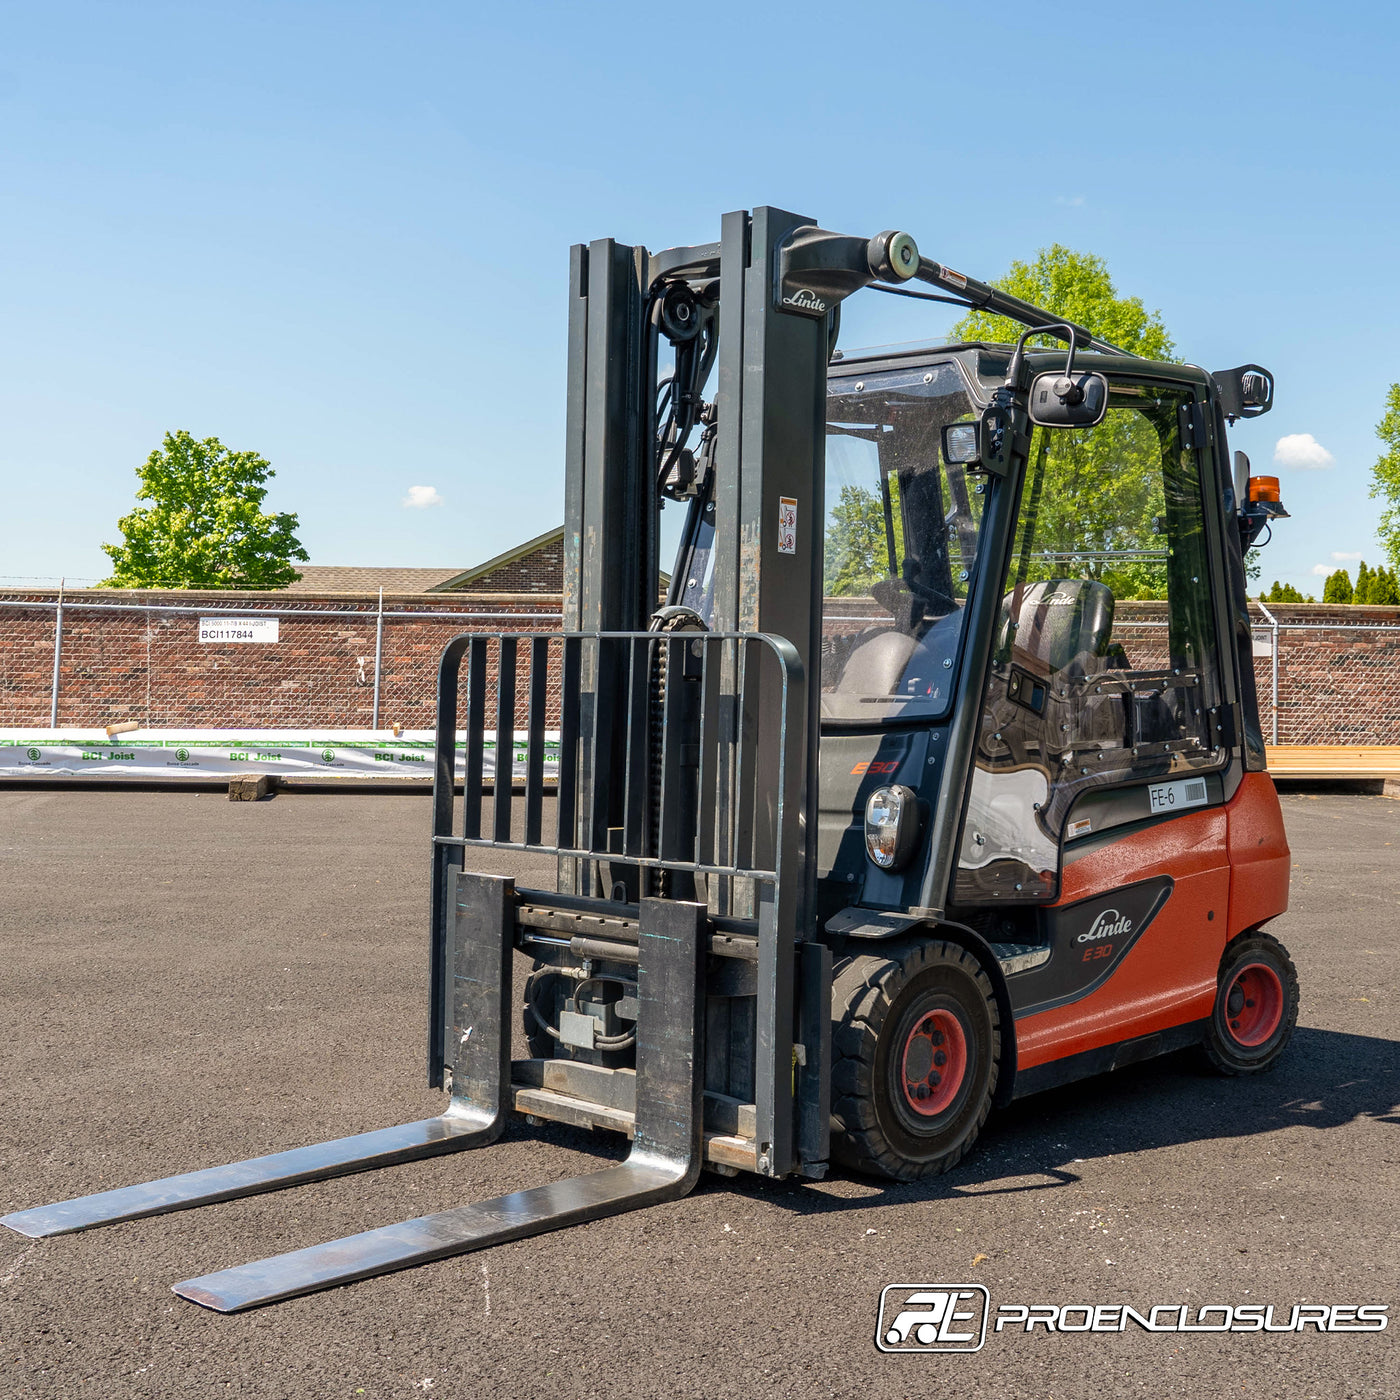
(877, 999)
(1222, 1050)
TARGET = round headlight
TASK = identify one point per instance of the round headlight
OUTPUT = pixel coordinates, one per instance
(891, 826)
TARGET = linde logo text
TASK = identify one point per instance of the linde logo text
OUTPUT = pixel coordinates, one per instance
(1109, 924)
(803, 300)
(938, 1317)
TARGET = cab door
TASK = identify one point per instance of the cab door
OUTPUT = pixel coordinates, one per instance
(1096, 811)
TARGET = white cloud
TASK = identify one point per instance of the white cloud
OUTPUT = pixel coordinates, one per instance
(421, 497)
(1301, 450)
(1074, 201)
(1342, 555)
(1324, 570)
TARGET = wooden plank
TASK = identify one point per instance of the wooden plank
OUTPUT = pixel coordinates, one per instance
(1322, 761)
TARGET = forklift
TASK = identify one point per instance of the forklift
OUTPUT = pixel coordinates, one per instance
(878, 818)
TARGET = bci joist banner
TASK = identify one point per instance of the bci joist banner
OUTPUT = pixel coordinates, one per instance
(218, 753)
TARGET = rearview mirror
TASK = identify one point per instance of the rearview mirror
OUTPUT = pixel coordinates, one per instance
(1077, 400)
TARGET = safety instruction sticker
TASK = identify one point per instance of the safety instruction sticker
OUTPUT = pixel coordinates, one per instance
(787, 524)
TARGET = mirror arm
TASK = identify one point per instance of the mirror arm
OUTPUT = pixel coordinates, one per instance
(1061, 330)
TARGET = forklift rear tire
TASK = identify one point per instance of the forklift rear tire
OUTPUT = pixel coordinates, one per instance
(1256, 1006)
(916, 1049)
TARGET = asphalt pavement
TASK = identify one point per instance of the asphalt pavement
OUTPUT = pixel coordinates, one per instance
(186, 981)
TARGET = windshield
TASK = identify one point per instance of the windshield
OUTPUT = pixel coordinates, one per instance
(900, 544)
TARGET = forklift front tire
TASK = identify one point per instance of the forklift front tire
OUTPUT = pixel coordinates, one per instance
(1256, 1006)
(916, 1048)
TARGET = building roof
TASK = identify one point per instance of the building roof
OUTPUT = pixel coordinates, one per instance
(335, 578)
(518, 551)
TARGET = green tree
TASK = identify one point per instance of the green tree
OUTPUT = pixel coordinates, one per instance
(1102, 489)
(1361, 594)
(1285, 593)
(1077, 286)
(205, 527)
(1385, 589)
(857, 554)
(1385, 476)
(1338, 588)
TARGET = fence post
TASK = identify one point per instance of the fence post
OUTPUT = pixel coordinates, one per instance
(1273, 659)
(57, 657)
(378, 653)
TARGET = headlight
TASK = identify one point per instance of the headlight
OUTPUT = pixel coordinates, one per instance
(891, 826)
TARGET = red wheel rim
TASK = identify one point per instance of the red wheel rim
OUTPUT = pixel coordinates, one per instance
(934, 1063)
(1253, 1004)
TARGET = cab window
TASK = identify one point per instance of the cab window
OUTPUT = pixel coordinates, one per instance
(1078, 698)
(900, 545)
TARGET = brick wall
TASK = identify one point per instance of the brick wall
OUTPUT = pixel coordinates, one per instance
(1338, 674)
(1338, 667)
(540, 571)
(150, 666)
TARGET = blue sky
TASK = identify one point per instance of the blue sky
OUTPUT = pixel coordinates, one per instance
(338, 234)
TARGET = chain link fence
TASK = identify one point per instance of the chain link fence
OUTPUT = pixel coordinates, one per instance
(1324, 675)
(91, 662)
(1327, 681)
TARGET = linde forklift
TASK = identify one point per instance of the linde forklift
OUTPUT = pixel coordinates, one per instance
(878, 821)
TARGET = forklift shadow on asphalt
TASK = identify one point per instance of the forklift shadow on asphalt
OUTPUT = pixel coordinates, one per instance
(1327, 1080)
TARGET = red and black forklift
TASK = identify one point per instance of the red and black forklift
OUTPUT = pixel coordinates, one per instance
(937, 778)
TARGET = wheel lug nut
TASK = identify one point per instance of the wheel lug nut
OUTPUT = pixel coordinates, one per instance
(939, 1058)
(937, 1037)
(921, 1092)
(1249, 1001)
(934, 1077)
(1234, 1025)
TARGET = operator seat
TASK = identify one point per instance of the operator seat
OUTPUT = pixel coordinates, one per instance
(1063, 624)
(1063, 627)
(905, 658)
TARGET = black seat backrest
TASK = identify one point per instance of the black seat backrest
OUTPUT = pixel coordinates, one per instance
(1059, 619)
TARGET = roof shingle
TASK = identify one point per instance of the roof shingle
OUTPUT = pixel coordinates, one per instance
(335, 578)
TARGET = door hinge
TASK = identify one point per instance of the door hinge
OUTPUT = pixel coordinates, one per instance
(1224, 731)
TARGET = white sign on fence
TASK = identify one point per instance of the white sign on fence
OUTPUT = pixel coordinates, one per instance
(237, 629)
(214, 753)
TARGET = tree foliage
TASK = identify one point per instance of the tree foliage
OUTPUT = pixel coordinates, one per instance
(1102, 489)
(1338, 587)
(204, 526)
(1385, 589)
(1376, 587)
(1100, 493)
(1385, 476)
(1285, 593)
(1078, 287)
(857, 551)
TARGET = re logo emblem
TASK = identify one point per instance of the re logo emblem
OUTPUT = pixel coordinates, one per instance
(920, 1317)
